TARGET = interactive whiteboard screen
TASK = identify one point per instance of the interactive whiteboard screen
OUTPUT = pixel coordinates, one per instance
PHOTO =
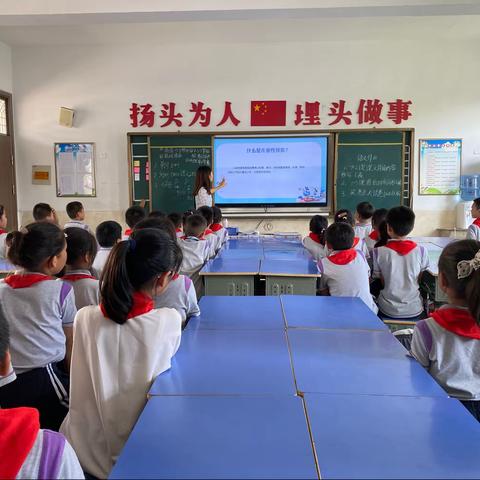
(271, 171)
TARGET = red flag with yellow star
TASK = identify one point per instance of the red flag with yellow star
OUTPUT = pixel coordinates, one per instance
(268, 113)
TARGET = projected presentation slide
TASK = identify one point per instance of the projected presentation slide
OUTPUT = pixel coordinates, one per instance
(271, 170)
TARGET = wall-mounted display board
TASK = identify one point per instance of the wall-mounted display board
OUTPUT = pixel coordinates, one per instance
(75, 169)
(439, 164)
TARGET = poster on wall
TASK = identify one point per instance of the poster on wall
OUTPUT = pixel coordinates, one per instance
(440, 162)
(75, 169)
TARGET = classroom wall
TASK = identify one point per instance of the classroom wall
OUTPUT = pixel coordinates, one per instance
(5, 68)
(432, 61)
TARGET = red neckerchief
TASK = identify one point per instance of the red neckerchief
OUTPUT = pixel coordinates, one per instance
(141, 304)
(208, 232)
(2, 231)
(315, 237)
(476, 222)
(73, 277)
(374, 235)
(178, 230)
(355, 241)
(26, 280)
(402, 247)
(458, 321)
(343, 257)
(215, 227)
(128, 232)
(18, 431)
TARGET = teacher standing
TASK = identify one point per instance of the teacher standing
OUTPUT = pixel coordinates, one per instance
(204, 188)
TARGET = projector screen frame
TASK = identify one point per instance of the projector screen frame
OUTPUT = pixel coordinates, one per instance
(301, 209)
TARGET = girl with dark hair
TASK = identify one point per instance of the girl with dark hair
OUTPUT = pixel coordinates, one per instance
(346, 216)
(447, 343)
(120, 347)
(203, 189)
(315, 241)
(40, 310)
(3, 231)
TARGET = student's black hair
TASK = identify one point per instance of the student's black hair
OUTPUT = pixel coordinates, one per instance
(217, 215)
(340, 236)
(202, 179)
(465, 288)
(401, 220)
(133, 215)
(318, 225)
(132, 265)
(383, 237)
(73, 209)
(160, 223)
(34, 244)
(80, 242)
(344, 216)
(378, 217)
(186, 215)
(195, 225)
(4, 335)
(176, 219)
(476, 203)
(2, 210)
(365, 210)
(108, 233)
(41, 211)
(156, 214)
(206, 213)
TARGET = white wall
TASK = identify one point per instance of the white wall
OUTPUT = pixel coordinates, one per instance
(437, 68)
(5, 68)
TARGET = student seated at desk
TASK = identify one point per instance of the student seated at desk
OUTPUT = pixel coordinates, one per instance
(120, 347)
(399, 265)
(346, 216)
(133, 215)
(447, 343)
(177, 220)
(108, 234)
(196, 250)
(43, 212)
(345, 272)
(76, 213)
(473, 232)
(3, 232)
(363, 218)
(217, 227)
(315, 241)
(180, 293)
(374, 236)
(210, 237)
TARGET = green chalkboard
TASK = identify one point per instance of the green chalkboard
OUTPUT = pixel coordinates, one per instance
(174, 161)
(370, 167)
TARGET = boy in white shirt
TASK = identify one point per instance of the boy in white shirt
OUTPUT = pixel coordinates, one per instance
(176, 219)
(374, 236)
(345, 272)
(210, 237)
(399, 265)
(473, 232)
(108, 234)
(76, 213)
(217, 228)
(363, 218)
(346, 216)
(315, 241)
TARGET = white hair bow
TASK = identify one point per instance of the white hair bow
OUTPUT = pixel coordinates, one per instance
(466, 267)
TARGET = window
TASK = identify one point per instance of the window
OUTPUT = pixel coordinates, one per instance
(3, 116)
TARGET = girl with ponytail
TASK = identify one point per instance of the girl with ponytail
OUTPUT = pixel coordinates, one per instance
(447, 343)
(120, 347)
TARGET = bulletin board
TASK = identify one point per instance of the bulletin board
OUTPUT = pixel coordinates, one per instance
(75, 169)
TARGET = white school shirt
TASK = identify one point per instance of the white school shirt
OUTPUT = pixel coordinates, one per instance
(180, 294)
(348, 280)
(78, 224)
(100, 260)
(222, 234)
(37, 315)
(179, 233)
(86, 289)
(370, 242)
(400, 297)
(362, 230)
(195, 253)
(203, 199)
(215, 243)
(316, 250)
(361, 247)
(113, 367)
(3, 246)
(473, 232)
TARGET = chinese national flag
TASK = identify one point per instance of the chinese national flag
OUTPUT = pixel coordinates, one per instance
(268, 113)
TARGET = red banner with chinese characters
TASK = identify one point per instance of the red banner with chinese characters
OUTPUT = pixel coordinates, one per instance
(274, 113)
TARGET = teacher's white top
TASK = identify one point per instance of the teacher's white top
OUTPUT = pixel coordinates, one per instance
(203, 198)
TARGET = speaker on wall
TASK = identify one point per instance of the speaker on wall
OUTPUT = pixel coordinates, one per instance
(66, 117)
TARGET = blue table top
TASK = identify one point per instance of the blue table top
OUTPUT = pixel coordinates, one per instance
(301, 267)
(225, 266)
(6, 266)
(219, 437)
(240, 254)
(287, 254)
(363, 436)
(441, 242)
(221, 362)
(329, 312)
(357, 361)
(244, 313)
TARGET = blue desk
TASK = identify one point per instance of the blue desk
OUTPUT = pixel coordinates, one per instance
(290, 277)
(441, 242)
(219, 362)
(219, 437)
(295, 254)
(357, 361)
(230, 277)
(329, 312)
(363, 436)
(6, 268)
(241, 313)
